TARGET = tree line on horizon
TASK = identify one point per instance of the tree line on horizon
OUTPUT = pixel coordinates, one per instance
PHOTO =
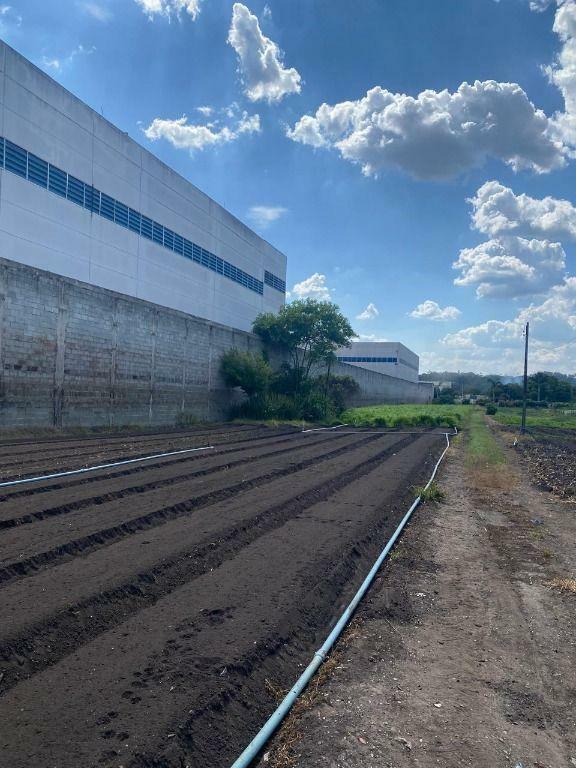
(543, 386)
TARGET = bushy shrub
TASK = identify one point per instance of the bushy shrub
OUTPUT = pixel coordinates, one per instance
(284, 382)
(339, 389)
(317, 407)
(282, 395)
(247, 370)
(267, 406)
(316, 399)
(271, 405)
(491, 409)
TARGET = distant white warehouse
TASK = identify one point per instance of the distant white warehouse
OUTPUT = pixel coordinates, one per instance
(389, 357)
(83, 200)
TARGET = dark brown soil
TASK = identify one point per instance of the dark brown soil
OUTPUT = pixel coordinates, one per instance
(551, 456)
(146, 608)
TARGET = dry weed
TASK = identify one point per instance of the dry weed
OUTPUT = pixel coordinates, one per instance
(564, 585)
(500, 477)
(282, 752)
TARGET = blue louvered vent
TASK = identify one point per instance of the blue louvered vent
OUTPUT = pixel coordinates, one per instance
(23, 163)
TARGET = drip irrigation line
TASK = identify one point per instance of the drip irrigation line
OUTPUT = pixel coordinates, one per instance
(101, 466)
(322, 429)
(276, 718)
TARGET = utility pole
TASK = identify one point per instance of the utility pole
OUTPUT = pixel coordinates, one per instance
(523, 428)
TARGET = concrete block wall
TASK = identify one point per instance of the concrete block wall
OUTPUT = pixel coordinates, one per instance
(76, 354)
(378, 388)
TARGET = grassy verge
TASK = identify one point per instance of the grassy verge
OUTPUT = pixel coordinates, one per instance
(407, 416)
(538, 417)
(482, 450)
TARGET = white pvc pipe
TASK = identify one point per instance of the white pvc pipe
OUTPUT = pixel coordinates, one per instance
(101, 466)
(275, 719)
(321, 429)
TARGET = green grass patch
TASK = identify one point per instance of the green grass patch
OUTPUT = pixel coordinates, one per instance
(538, 417)
(432, 493)
(407, 416)
(482, 449)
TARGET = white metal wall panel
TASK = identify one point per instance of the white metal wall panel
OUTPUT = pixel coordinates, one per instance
(44, 230)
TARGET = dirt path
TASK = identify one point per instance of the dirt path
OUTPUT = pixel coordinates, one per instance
(461, 655)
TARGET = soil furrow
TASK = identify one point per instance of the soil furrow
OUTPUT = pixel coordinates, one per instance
(77, 579)
(47, 642)
(65, 483)
(181, 682)
(7, 448)
(54, 462)
(74, 506)
(199, 734)
(107, 536)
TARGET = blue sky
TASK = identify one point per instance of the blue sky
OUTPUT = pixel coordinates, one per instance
(370, 196)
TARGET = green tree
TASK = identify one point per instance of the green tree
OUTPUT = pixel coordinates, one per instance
(510, 392)
(247, 370)
(308, 331)
(549, 388)
(494, 382)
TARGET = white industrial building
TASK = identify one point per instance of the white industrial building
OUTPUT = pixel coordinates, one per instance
(121, 283)
(81, 199)
(389, 357)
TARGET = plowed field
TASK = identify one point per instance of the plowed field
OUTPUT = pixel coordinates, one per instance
(148, 611)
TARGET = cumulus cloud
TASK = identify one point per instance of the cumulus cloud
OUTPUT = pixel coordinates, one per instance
(184, 135)
(431, 310)
(260, 59)
(563, 72)
(555, 317)
(57, 64)
(369, 313)
(497, 344)
(496, 210)
(438, 134)
(313, 287)
(264, 215)
(509, 267)
(490, 333)
(169, 8)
